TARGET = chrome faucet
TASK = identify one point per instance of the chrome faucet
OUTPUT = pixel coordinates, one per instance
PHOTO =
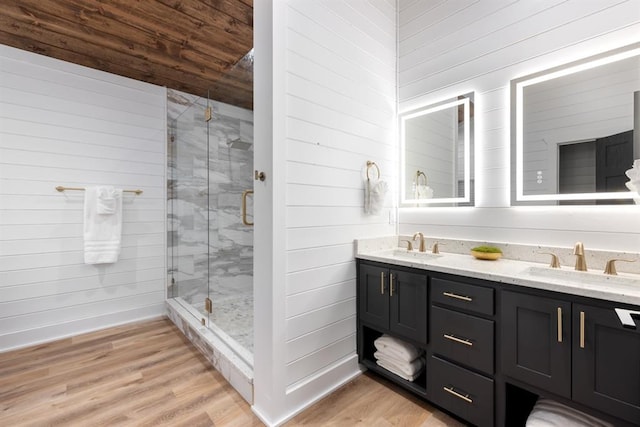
(421, 236)
(578, 251)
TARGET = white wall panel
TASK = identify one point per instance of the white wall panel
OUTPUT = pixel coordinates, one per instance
(339, 63)
(63, 124)
(481, 47)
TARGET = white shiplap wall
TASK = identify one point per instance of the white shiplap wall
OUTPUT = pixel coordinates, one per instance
(63, 124)
(450, 48)
(337, 111)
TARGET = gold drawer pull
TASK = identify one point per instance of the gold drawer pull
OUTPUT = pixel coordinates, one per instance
(460, 340)
(456, 296)
(559, 324)
(391, 284)
(464, 397)
(582, 329)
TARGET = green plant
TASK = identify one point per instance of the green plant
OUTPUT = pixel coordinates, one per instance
(487, 249)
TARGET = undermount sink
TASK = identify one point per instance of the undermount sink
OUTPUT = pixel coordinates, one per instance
(416, 255)
(584, 277)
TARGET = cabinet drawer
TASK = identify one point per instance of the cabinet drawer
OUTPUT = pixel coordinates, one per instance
(462, 295)
(466, 394)
(463, 338)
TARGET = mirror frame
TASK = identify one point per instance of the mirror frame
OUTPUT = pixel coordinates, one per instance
(518, 197)
(421, 111)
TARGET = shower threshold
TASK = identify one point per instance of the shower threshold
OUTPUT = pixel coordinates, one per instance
(233, 361)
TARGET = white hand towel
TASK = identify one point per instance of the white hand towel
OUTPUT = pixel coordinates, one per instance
(375, 192)
(424, 192)
(102, 224)
(404, 350)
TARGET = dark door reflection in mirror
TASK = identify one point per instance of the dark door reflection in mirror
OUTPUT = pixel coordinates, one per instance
(573, 130)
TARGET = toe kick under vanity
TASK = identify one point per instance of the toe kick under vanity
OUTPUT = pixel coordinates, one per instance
(497, 335)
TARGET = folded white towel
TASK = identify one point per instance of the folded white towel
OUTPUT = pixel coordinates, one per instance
(396, 348)
(391, 368)
(407, 368)
(102, 224)
(393, 353)
(375, 192)
(549, 413)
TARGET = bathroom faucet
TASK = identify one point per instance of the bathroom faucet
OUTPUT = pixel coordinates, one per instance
(578, 251)
(421, 236)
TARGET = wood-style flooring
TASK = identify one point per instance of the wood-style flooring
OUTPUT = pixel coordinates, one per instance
(148, 374)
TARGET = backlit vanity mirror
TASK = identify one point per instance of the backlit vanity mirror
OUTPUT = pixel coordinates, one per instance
(436, 154)
(573, 132)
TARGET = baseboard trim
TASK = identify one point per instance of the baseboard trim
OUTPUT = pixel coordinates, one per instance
(49, 333)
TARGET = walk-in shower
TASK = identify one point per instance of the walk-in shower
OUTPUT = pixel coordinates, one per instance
(210, 257)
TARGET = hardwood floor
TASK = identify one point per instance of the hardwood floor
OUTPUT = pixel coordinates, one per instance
(148, 374)
(372, 402)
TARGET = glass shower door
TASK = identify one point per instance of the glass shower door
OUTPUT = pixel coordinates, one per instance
(230, 139)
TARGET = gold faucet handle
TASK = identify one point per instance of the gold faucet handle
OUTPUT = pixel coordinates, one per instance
(435, 249)
(555, 261)
(409, 245)
(610, 268)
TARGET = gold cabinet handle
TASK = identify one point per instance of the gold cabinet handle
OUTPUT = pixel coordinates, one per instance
(456, 296)
(245, 194)
(459, 340)
(391, 284)
(464, 397)
(559, 324)
(582, 329)
(382, 283)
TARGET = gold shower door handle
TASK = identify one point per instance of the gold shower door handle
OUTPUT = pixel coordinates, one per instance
(245, 194)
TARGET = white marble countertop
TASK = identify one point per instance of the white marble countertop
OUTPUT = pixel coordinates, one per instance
(624, 287)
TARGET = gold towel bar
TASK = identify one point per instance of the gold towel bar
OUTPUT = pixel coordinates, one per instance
(61, 189)
(370, 164)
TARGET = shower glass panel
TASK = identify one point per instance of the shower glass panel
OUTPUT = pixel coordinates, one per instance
(210, 247)
(188, 202)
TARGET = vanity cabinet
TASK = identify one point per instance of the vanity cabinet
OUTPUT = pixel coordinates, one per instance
(461, 366)
(578, 351)
(536, 337)
(492, 348)
(606, 362)
(394, 301)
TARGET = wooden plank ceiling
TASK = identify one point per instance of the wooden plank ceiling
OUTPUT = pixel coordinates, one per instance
(189, 45)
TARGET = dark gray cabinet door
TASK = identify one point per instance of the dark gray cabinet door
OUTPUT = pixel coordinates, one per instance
(536, 341)
(408, 305)
(374, 295)
(606, 363)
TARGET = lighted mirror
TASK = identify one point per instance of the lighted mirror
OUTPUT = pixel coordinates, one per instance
(435, 154)
(573, 130)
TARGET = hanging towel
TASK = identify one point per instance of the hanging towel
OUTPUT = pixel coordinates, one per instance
(375, 192)
(634, 180)
(102, 224)
(424, 192)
